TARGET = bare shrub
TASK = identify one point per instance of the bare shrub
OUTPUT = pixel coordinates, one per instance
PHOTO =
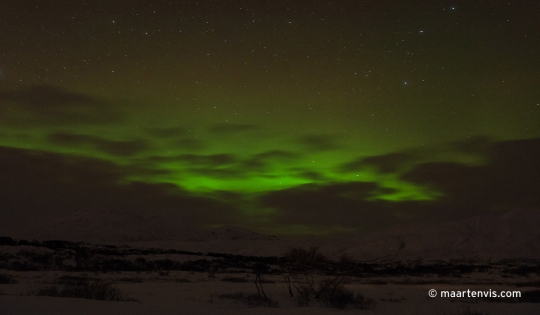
(341, 298)
(304, 296)
(7, 279)
(86, 289)
(306, 266)
(304, 262)
(363, 303)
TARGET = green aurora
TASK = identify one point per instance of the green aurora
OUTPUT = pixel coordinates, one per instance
(261, 107)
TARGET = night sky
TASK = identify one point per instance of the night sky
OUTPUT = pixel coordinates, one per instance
(285, 117)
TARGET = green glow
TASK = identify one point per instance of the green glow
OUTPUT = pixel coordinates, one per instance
(218, 107)
(292, 165)
(407, 191)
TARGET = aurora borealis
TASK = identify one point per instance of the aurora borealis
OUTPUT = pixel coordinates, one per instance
(284, 117)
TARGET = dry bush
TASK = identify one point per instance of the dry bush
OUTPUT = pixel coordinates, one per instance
(86, 289)
(304, 295)
(337, 296)
(332, 293)
(7, 279)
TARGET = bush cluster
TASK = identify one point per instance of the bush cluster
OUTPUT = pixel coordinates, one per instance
(86, 289)
(7, 279)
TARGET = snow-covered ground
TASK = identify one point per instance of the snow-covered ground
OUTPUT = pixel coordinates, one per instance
(512, 237)
(198, 293)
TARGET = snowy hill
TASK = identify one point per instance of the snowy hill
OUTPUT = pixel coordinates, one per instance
(511, 235)
(104, 226)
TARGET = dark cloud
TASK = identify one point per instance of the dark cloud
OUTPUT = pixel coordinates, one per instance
(317, 143)
(276, 155)
(39, 186)
(167, 132)
(510, 179)
(464, 188)
(113, 147)
(226, 166)
(122, 148)
(38, 183)
(144, 170)
(516, 168)
(311, 175)
(219, 166)
(255, 165)
(401, 161)
(219, 173)
(388, 163)
(340, 204)
(214, 160)
(42, 104)
(263, 161)
(227, 129)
